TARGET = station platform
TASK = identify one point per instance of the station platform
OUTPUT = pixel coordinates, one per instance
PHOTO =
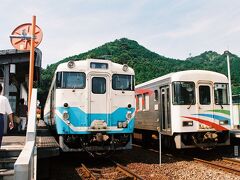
(47, 146)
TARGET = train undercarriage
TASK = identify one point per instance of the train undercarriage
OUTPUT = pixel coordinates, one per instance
(95, 144)
(203, 140)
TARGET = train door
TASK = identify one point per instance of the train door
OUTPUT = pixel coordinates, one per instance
(99, 98)
(165, 115)
(205, 100)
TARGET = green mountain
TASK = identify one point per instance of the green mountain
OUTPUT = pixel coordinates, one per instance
(147, 64)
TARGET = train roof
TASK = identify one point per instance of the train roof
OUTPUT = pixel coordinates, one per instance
(188, 75)
(84, 65)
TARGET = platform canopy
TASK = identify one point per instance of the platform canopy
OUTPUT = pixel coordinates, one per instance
(15, 56)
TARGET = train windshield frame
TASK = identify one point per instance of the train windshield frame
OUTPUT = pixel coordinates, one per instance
(70, 80)
(183, 93)
(123, 82)
(221, 94)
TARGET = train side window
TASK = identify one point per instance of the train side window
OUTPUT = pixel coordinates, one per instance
(137, 102)
(140, 107)
(98, 85)
(204, 95)
(156, 95)
(145, 102)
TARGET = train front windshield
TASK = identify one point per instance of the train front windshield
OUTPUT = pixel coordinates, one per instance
(123, 82)
(76, 80)
(183, 93)
(221, 93)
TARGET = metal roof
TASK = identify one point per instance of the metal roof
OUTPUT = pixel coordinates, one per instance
(15, 56)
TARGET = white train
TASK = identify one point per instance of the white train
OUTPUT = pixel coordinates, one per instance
(189, 108)
(91, 104)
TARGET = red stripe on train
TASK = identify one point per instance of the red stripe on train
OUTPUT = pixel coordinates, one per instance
(215, 126)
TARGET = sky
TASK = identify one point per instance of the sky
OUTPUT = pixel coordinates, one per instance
(175, 29)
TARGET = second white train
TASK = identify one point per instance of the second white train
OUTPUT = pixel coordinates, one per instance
(189, 108)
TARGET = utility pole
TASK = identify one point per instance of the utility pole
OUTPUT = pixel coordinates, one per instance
(31, 61)
(230, 88)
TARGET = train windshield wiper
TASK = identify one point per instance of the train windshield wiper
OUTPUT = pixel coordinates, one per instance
(73, 88)
(123, 90)
(190, 104)
(220, 103)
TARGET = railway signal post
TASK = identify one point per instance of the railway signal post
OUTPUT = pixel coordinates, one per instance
(230, 88)
(26, 37)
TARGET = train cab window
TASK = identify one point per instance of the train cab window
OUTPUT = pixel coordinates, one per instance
(221, 93)
(67, 80)
(123, 82)
(98, 85)
(183, 93)
(204, 95)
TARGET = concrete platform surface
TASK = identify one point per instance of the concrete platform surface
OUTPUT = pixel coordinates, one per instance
(47, 145)
(13, 142)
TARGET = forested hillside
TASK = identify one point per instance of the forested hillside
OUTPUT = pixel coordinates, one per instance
(147, 64)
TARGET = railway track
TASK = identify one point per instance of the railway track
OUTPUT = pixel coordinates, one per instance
(116, 171)
(226, 164)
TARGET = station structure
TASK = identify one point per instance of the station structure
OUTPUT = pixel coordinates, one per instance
(14, 66)
(36, 142)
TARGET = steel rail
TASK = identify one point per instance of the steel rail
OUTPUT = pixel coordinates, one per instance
(126, 171)
(219, 166)
(237, 162)
(89, 173)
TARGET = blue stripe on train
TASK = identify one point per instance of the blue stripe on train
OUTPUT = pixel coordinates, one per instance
(215, 117)
(78, 118)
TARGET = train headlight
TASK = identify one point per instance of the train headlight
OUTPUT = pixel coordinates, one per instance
(223, 122)
(125, 124)
(120, 124)
(187, 123)
(65, 115)
(71, 64)
(129, 115)
(125, 67)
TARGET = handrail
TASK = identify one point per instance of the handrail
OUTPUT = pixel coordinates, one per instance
(25, 166)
